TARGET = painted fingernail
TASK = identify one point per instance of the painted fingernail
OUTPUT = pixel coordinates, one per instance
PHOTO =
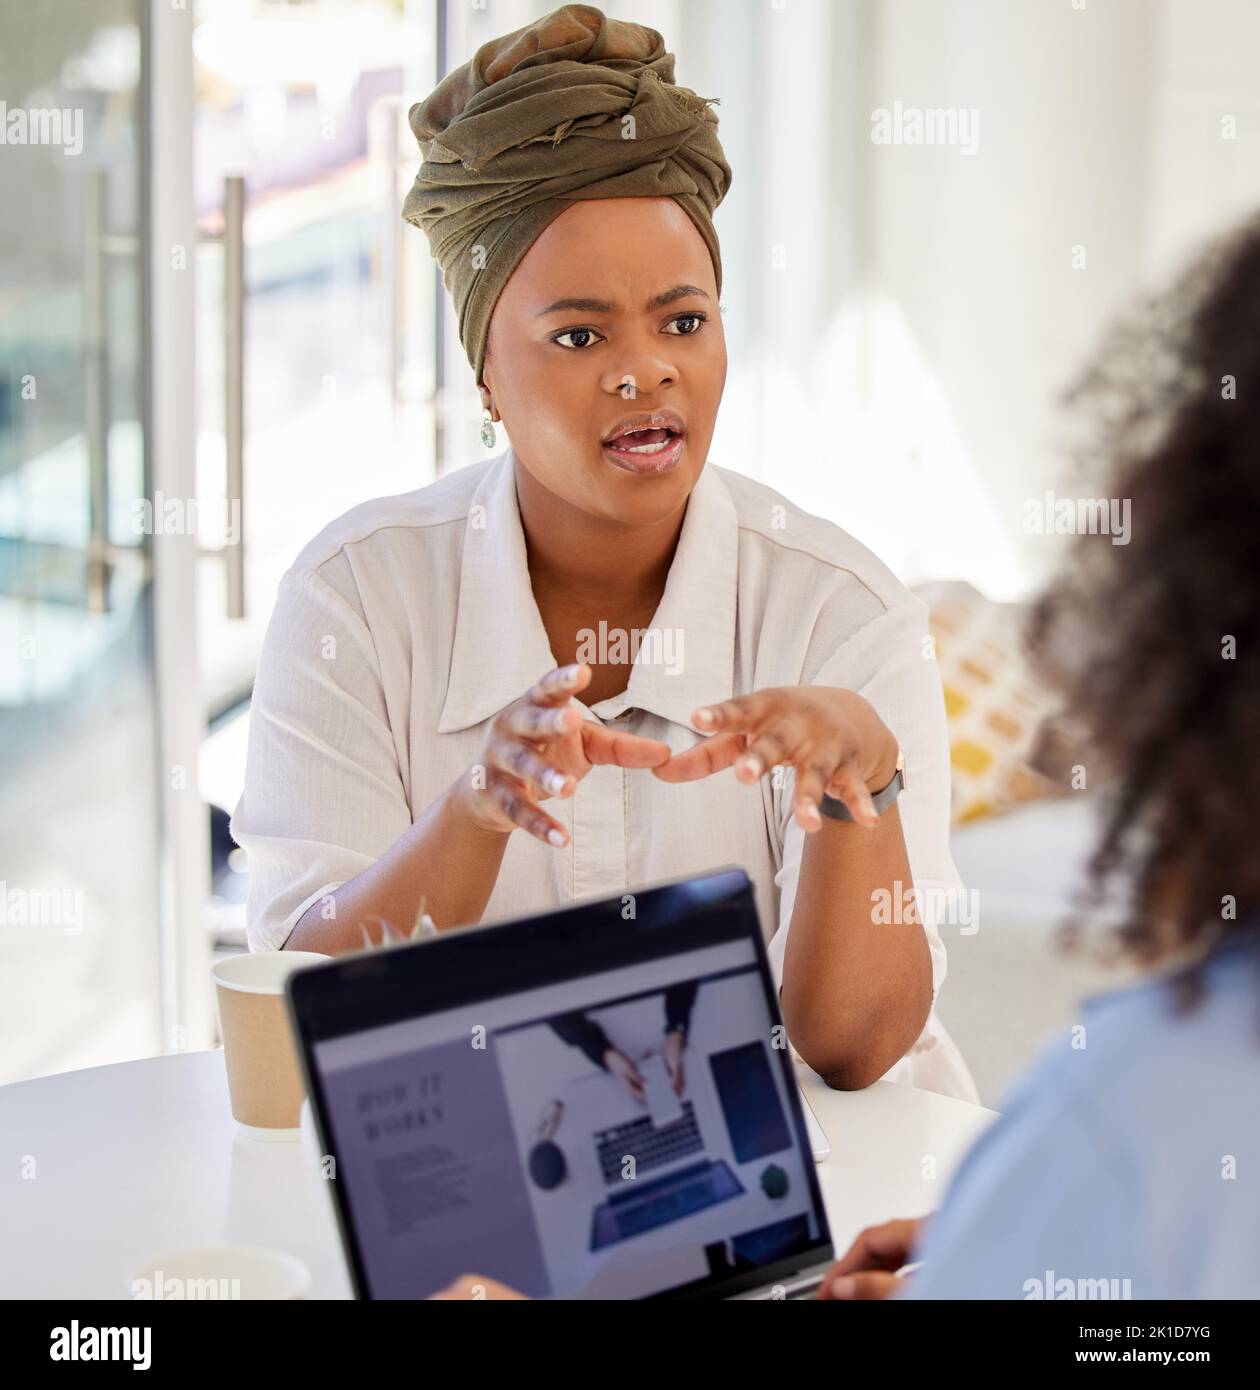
(752, 765)
(869, 806)
(704, 716)
(554, 782)
(842, 1287)
(555, 837)
(810, 812)
(569, 674)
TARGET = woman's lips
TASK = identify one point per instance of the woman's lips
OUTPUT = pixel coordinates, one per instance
(645, 451)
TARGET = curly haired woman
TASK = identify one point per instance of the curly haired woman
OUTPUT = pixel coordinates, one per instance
(1131, 1151)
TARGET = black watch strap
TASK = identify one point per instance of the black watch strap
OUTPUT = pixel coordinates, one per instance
(836, 809)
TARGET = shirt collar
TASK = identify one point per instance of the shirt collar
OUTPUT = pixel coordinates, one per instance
(501, 647)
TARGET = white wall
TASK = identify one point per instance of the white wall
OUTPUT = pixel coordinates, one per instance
(1100, 127)
(978, 315)
(1206, 68)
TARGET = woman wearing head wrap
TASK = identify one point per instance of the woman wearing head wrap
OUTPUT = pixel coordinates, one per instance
(486, 694)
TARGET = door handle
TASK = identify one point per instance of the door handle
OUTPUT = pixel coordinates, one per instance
(96, 382)
(232, 239)
(234, 384)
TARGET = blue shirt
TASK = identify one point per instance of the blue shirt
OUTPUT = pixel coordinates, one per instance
(1135, 1157)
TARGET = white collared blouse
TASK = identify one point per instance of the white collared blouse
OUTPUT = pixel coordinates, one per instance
(407, 624)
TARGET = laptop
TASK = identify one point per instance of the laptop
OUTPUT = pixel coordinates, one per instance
(596, 1102)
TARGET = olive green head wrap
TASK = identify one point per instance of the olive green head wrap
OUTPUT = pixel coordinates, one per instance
(573, 106)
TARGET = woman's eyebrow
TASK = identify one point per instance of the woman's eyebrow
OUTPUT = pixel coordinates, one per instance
(604, 306)
(659, 301)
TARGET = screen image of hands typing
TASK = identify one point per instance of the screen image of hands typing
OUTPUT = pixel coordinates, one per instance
(609, 1137)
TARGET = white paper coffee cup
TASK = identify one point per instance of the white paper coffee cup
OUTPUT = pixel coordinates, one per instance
(264, 1078)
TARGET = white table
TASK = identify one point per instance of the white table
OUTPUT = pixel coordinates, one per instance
(104, 1168)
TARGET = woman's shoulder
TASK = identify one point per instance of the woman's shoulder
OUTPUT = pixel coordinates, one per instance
(803, 551)
(1124, 1131)
(1136, 1054)
(379, 526)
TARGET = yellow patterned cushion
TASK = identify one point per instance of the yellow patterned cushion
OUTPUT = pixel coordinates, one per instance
(1007, 744)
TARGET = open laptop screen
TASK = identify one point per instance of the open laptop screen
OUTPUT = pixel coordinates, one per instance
(598, 1102)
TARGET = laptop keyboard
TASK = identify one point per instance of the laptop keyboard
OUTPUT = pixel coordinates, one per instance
(648, 1146)
(642, 1208)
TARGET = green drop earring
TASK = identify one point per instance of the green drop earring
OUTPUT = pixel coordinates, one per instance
(487, 429)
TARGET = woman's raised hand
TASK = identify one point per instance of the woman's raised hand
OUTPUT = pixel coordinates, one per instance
(540, 746)
(833, 738)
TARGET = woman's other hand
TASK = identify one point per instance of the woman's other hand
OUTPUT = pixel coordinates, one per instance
(540, 746)
(833, 738)
(868, 1269)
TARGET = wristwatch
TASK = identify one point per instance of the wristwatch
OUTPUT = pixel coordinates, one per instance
(837, 810)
